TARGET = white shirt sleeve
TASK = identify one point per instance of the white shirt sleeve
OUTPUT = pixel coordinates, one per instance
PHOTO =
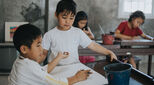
(51, 80)
(84, 39)
(46, 41)
(55, 81)
(45, 68)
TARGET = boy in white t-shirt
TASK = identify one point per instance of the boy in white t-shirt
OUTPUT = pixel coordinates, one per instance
(64, 37)
(26, 69)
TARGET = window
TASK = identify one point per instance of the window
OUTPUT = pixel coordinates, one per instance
(126, 7)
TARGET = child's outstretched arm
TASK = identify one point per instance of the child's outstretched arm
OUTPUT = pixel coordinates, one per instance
(79, 76)
(56, 60)
(147, 37)
(99, 49)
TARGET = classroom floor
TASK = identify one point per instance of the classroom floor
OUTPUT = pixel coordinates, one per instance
(142, 67)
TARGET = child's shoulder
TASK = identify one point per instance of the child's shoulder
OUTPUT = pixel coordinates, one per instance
(23, 63)
(76, 29)
(51, 31)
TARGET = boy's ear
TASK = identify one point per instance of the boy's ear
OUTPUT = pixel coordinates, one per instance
(56, 15)
(23, 49)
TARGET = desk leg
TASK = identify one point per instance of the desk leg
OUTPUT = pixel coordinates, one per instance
(149, 64)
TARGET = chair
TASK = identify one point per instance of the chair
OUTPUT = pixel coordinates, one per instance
(137, 61)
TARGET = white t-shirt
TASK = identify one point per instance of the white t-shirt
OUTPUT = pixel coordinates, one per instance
(29, 72)
(65, 41)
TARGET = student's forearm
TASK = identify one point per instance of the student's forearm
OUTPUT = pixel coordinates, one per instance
(72, 80)
(147, 37)
(91, 37)
(99, 49)
(53, 64)
(123, 37)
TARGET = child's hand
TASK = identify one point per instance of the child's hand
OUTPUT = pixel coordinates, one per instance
(63, 55)
(82, 75)
(79, 76)
(85, 31)
(135, 38)
(113, 56)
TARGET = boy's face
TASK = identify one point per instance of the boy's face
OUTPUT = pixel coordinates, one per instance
(65, 20)
(82, 23)
(137, 22)
(36, 51)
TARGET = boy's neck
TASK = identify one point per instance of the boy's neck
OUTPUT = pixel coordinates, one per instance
(63, 29)
(22, 56)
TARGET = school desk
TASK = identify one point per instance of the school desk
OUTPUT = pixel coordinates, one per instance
(138, 47)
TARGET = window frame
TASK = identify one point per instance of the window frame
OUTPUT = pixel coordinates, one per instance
(122, 14)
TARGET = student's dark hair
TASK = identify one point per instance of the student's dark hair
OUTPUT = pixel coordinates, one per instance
(81, 15)
(25, 35)
(66, 5)
(137, 14)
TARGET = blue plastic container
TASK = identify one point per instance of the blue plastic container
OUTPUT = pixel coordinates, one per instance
(118, 74)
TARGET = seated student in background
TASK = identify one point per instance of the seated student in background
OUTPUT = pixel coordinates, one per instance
(129, 30)
(81, 21)
(26, 69)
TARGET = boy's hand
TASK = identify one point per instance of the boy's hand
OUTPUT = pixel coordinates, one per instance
(82, 75)
(79, 76)
(113, 56)
(63, 55)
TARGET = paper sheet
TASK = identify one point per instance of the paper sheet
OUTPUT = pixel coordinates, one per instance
(70, 70)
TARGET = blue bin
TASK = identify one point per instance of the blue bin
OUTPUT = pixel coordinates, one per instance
(118, 74)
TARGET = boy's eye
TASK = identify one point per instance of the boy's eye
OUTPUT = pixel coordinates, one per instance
(38, 45)
(71, 18)
(64, 17)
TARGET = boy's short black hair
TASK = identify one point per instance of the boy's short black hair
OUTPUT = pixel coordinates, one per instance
(24, 35)
(137, 14)
(66, 5)
(81, 15)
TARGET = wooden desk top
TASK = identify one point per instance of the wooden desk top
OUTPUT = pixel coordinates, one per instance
(143, 47)
(118, 51)
(141, 42)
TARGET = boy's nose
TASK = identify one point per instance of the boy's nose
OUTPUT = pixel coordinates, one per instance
(41, 49)
(67, 21)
